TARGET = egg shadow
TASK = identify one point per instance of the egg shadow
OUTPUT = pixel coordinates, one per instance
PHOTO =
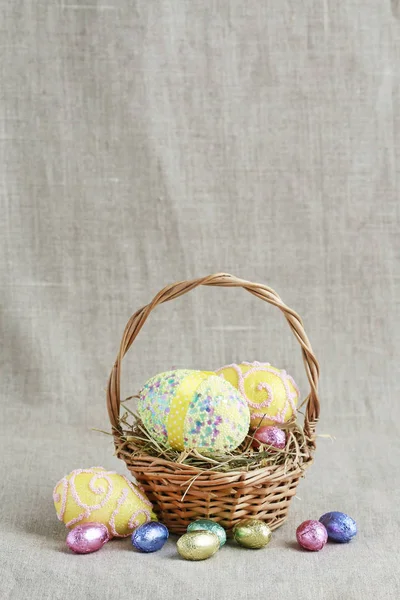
(66, 550)
(294, 546)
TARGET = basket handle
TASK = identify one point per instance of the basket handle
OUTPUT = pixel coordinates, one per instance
(263, 292)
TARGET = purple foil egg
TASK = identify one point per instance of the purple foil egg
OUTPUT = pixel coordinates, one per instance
(340, 527)
(271, 436)
(88, 537)
(312, 535)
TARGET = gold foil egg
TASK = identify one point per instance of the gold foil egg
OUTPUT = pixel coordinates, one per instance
(252, 533)
(198, 545)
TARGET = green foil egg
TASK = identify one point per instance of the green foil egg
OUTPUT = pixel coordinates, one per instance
(209, 525)
(198, 545)
(252, 533)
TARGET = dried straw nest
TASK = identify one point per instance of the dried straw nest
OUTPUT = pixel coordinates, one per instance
(135, 440)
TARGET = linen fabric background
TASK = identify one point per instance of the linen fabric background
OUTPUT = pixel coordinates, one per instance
(144, 142)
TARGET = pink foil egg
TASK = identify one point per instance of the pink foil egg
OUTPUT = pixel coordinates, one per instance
(88, 537)
(312, 535)
(271, 436)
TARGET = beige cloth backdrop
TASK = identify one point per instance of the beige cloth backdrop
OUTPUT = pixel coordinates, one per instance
(144, 142)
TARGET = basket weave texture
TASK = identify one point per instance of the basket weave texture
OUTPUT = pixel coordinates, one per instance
(182, 493)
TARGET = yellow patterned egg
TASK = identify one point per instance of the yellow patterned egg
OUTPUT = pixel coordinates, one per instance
(100, 496)
(188, 410)
(271, 393)
(198, 545)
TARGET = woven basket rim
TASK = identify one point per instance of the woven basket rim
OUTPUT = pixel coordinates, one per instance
(175, 468)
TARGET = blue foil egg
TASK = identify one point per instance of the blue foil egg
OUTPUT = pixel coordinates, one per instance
(150, 537)
(340, 527)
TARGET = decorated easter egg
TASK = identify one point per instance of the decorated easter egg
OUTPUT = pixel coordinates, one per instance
(209, 525)
(311, 535)
(100, 496)
(340, 527)
(271, 393)
(188, 410)
(150, 537)
(252, 533)
(88, 537)
(198, 545)
(270, 436)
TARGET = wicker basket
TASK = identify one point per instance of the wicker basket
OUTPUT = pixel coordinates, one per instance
(182, 493)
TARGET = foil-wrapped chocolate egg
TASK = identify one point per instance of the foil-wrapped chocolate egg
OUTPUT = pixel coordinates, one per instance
(340, 527)
(270, 436)
(209, 525)
(198, 545)
(311, 535)
(252, 533)
(88, 537)
(150, 537)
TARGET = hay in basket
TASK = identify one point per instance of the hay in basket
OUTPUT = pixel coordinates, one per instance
(248, 482)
